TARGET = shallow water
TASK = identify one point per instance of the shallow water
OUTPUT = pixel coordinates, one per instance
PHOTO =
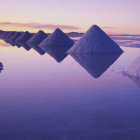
(41, 99)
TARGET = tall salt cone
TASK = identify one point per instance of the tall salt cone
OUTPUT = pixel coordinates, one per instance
(35, 40)
(57, 39)
(6, 34)
(21, 40)
(14, 37)
(1, 33)
(95, 41)
(10, 34)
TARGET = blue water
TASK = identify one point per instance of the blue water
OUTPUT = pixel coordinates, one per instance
(86, 99)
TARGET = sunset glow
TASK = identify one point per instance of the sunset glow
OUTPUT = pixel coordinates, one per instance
(114, 16)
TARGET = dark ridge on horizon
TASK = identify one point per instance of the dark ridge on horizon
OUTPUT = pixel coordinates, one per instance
(127, 40)
(79, 34)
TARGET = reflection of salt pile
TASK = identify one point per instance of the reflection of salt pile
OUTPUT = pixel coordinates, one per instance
(96, 64)
(95, 41)
(133, 71)
(14, 37)
(1, 66)
(57, 39)
(58, 54)
(35, 40)
(21, 40)
(9, 34)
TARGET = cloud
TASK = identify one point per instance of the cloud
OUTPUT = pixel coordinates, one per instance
(39, 26)
(2, 43)
(108, 27)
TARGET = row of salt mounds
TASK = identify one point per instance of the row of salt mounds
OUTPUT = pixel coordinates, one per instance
(35, 40)
(95, 41)
(57, 39)
(5, 34)
(23, 38)
(8, 35)
(1, 33)
(13, 38)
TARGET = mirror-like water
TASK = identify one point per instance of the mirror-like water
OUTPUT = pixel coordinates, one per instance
(90, 98)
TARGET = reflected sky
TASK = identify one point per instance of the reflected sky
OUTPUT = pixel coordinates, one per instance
(43, 99)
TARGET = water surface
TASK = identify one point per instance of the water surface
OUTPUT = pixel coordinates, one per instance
(80, 98)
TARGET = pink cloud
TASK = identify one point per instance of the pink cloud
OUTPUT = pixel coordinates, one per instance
(39, 26)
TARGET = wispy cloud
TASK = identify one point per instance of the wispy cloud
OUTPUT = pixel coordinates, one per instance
(2, 43)
(108, 27)
(39, 26)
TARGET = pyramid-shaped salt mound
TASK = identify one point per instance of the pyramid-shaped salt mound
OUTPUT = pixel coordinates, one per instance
(133, 71)
(21, 40)
(95, 41)
(1, 33)
(35, 40)
(5, 35)
(6, 39)
(96, 64)
(57, 39)
(14, 37)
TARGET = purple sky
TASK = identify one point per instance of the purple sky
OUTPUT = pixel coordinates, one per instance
(121, 16)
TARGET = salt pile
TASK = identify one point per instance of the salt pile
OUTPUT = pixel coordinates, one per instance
(9, 34)
(14, 37)
(96, 64)
(21, 40)
(35, 40)
(95, 41)
(1, 33)
(57, 39)
(5, 34)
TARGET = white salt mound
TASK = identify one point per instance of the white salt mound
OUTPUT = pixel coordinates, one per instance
(23, 38)
(14, 37)
(1, 34)
(5, 35)
(57, 39)
(95, 41)
(37, 38)
(6, 39)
